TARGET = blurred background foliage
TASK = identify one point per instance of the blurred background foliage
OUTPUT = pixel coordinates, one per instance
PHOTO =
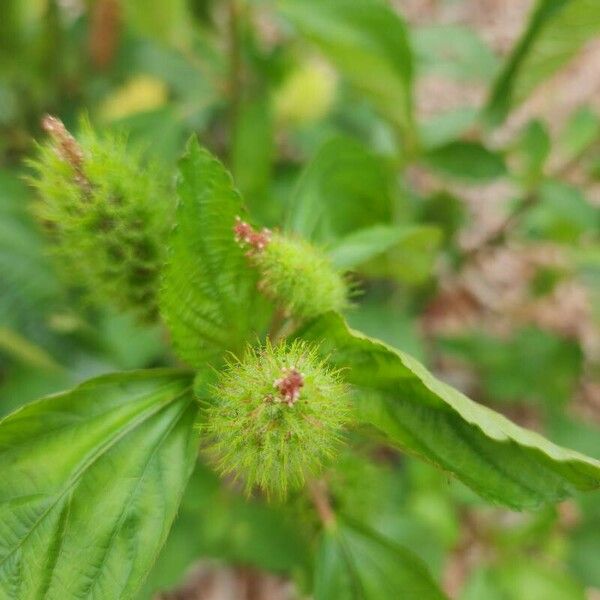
(446, 151)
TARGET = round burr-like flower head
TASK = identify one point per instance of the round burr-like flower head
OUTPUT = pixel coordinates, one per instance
(278, 416)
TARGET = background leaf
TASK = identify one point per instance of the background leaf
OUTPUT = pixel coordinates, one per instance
(557, 30)
(466, 160)
(498, 459)
(365, 244)
(355, 563)
(208, 297)
(368, 43)
(344, 187)
(91, 481)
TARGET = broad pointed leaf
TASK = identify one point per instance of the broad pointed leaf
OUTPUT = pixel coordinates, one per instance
(415, 411)
(354, 563)
(208, 297)
(91, 481)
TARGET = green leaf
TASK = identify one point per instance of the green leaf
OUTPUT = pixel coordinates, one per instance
(216, 522)
(561, 214)
(524, 580)
(470, 161)
(91, 482)
(582, 130)
(354, 563)
(415, 411)
(440, 129)
(252, 155)
(532, 151)
(368, 42)
(557, 30)
(452, 51)
(365, 244)
(29, 286)
(345, 187)
(208, 297)
(509, 370)
(412, 259)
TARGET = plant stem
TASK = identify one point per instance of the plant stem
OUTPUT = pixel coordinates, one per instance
(320, 497)
(277, 324)
(235, 59)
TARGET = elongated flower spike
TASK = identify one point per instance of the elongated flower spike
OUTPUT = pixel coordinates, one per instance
(105, 213)
(277, 418)
(294, 273)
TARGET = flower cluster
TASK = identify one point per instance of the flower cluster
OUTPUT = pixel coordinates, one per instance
(296, 274)
(105, 214)
(276, 418)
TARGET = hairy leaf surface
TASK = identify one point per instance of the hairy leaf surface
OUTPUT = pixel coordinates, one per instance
(91, 481)
(415, 411)
(208, 297)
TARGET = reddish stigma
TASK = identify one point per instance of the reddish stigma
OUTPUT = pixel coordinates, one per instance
(246, 235)
(289, 385)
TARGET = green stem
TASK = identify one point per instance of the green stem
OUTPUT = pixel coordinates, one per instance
(320, 497)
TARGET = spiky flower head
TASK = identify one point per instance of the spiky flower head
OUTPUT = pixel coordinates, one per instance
(278, 416)
(105, 213)
(294, 273)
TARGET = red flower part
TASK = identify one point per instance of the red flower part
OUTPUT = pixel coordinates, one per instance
(289, 385)
(245, 234)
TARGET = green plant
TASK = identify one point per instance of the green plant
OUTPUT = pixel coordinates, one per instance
(247, 417)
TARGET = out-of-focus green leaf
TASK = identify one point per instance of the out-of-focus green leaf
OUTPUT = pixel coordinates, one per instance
(166, 21)
(355, 563)
(469, 161)
(365, 244)
(510, 370)
(557, 30)
(524, 580)
(411, 259)
(91, 481)
(584, 557)
(562, 214)
(445, 211)
(582, 129)
(532, 150)
(28, 287)
(25, 351)
(345, 187)
(214, 522)
(368, 42)
(443, 128)
(501, 461)
(252, 154)
(452, 51)
(208, 298)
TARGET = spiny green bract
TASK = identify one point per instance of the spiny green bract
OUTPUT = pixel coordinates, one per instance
(277, 417)
(300, 277)
(106, 216)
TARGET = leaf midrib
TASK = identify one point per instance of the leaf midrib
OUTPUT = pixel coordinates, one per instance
(145, 415)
